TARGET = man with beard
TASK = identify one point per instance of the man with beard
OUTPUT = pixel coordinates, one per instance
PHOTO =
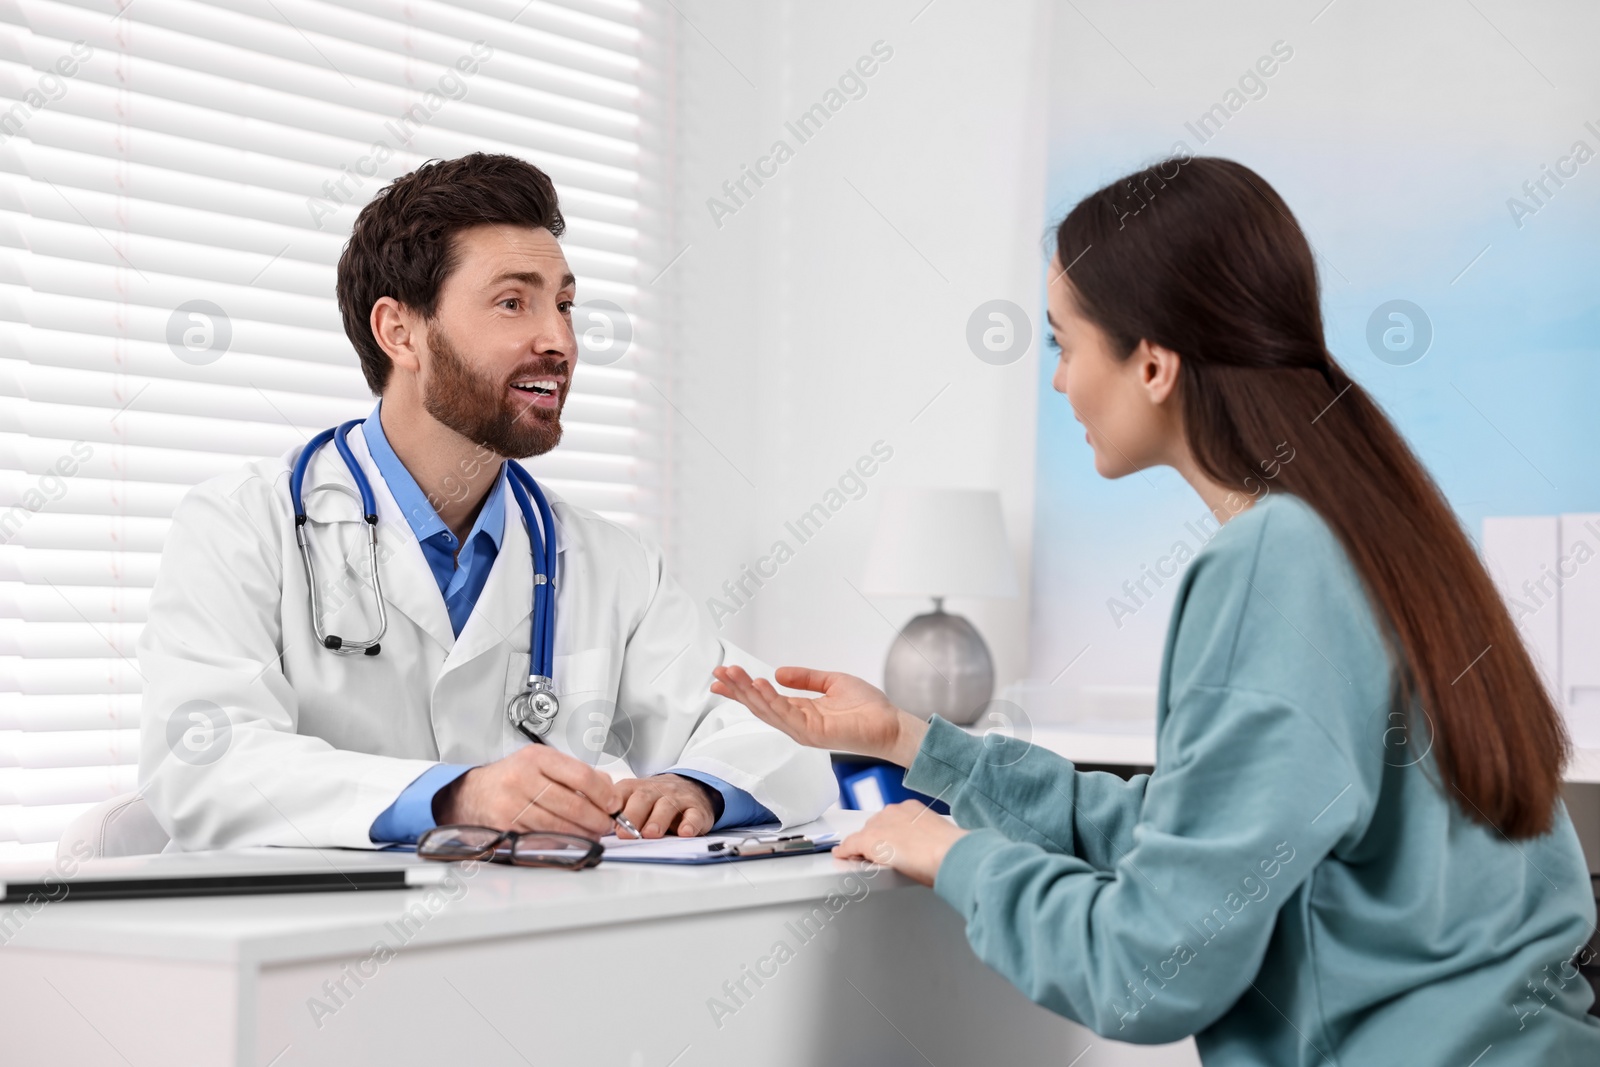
(260, 729)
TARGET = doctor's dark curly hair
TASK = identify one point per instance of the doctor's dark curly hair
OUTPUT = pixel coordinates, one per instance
(403, 243)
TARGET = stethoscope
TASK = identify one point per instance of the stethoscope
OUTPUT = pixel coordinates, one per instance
(533, 710)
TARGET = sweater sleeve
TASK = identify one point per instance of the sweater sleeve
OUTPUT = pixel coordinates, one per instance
(1028, 793)
(1162, 941)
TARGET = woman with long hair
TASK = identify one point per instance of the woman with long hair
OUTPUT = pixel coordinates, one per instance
(1352, 848)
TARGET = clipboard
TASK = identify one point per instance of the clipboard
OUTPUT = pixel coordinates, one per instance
(728, 848)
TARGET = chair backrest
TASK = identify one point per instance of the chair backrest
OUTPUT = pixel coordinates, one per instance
(122, 826)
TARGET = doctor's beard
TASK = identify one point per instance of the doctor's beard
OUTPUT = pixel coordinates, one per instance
(480, 408)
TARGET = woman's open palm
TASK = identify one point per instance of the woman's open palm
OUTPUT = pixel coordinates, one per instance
(849, 715)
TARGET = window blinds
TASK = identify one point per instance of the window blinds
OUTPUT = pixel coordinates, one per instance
(177, 180)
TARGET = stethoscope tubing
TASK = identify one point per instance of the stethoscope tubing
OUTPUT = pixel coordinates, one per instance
(541, 641)
(369, 513)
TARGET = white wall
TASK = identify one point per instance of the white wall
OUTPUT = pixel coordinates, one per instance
(1400, 135)
(808, 327)
(829, 309)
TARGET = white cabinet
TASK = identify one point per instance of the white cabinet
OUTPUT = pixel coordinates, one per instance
(1548, 569)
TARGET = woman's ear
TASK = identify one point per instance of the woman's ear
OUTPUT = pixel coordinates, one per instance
(1158, 370)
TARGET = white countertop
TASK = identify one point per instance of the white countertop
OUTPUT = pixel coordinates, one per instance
(1135, 746)
(496, 902)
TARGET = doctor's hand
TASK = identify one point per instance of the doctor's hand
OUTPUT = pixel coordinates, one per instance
(667, 803)
(850, 716)
(910, 837)
(534, 788)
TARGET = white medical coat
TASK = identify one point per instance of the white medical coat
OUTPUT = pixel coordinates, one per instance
(300, 746)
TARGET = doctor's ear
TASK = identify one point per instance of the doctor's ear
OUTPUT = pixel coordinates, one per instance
(399, 332)
(1157, 370)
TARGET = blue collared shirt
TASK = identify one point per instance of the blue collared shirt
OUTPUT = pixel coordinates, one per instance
(460, 576)
(461, 571)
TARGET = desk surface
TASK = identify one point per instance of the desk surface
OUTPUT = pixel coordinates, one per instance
(622, 964)
(495, 901)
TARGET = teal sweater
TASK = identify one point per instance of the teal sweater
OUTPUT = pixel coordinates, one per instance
(1289, 886)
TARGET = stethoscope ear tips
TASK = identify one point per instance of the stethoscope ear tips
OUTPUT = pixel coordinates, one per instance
(334, 642)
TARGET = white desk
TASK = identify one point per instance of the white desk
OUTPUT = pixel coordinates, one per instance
(610, 966)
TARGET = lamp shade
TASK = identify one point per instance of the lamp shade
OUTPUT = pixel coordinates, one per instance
(940, 542)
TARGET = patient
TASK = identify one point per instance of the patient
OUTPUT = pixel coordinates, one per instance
(1353, 848)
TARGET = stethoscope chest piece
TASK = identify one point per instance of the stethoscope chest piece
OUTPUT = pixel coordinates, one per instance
(534, 710)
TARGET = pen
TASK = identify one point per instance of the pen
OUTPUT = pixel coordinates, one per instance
(758, 846)
(621, 820)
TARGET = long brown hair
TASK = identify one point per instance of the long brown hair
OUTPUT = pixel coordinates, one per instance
(1201, 256)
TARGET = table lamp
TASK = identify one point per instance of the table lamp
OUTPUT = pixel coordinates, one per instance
(940, 543)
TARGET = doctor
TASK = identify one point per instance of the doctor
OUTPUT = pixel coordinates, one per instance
(457, 298)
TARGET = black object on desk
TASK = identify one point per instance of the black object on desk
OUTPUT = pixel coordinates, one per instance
(258, 871)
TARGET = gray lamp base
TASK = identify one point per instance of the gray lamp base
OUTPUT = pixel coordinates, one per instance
(939, 665)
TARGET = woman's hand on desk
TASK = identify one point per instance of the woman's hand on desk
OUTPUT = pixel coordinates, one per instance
(850, 716)
(909, 836)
